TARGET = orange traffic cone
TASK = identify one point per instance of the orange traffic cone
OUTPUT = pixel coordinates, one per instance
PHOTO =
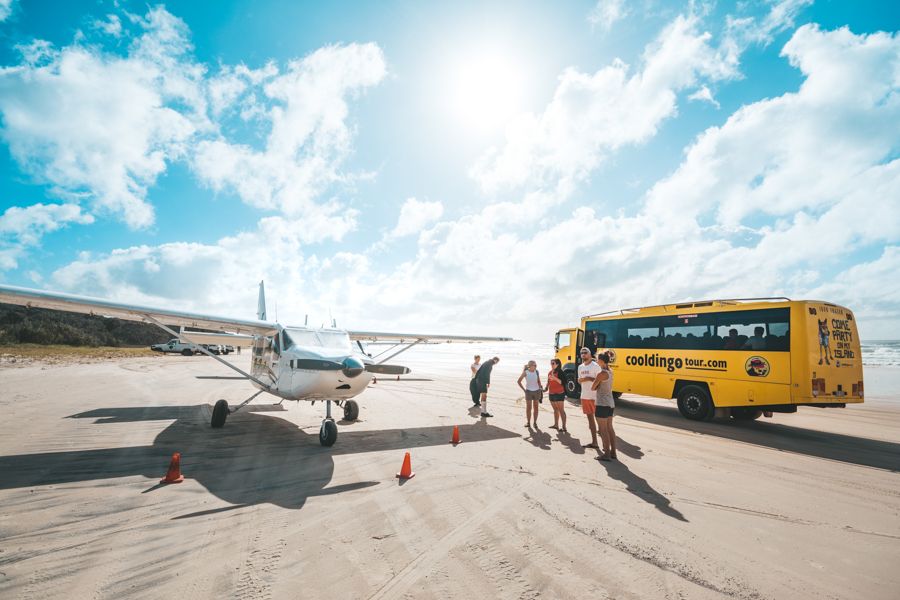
(174, 474)
(455, 439)
(406, 470)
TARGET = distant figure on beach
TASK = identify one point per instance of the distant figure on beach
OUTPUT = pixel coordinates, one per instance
(533, 391)
(757, 341)
(606, 405)
(556, 387)
(732, 341)
(587, 374)
(483, 382)
(473, 389)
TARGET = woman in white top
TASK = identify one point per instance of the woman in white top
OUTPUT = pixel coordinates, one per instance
(473, 389)
(606, 405)
(532, 389)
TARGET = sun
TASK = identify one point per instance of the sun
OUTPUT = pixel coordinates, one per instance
(486, 90)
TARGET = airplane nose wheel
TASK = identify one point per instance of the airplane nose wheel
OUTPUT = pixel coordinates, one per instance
(328, 433)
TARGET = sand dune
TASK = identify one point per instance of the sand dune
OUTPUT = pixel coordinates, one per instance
(802, 506)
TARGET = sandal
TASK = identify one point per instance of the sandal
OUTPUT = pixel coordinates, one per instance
(594, 446)
(553, 427)
(604, 457)
(564, 430)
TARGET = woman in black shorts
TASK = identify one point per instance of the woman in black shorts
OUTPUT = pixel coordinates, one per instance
(606, 405)
(556, 387)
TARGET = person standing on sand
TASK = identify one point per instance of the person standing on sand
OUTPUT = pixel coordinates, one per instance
(532, 389)
(587, 374)
(473, 389)
(556, 388)
(483, 382)
(606, 405)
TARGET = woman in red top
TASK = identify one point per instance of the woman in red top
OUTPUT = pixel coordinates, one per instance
(557, 390)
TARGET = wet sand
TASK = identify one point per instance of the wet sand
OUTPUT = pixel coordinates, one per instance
(799, 506)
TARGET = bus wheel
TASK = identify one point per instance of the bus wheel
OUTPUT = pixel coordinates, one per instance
(744, 413)
(694, 403)
(617, 395)
(573, 388)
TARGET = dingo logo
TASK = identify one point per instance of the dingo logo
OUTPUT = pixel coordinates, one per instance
(757, 366)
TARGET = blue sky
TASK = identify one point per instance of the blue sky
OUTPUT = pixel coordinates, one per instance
(501, 166)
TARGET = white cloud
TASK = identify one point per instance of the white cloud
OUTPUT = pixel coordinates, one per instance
(704, 95)
(6, 7)
(103, 126)
(415, 215)
(111, 26)
(308, 140)
(24, 227)
(606, 12)
(592, 115)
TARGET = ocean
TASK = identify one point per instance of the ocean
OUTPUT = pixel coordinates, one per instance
(881, 353)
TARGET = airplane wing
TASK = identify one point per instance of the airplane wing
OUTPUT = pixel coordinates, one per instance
(407, 338)
(105, 308)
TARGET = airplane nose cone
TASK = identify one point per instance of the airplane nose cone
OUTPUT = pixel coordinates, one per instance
(352, 367)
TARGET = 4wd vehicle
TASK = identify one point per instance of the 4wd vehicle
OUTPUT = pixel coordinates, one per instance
(174, 345)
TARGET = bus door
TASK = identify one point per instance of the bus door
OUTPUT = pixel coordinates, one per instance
(568, 341)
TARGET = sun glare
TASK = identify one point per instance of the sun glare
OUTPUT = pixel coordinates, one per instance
(487, 90)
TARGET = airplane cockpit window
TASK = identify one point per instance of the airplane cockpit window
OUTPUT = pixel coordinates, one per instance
(316, 339)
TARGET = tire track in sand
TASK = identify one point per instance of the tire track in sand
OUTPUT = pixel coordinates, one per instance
(422, 564)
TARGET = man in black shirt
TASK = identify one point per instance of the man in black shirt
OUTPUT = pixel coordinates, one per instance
(483, 382)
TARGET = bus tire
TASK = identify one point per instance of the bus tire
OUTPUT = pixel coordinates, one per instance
(694, 403)
(617, 395)
(745, 413)
(573, 388)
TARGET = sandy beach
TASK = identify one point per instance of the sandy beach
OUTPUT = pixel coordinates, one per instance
(798, 506)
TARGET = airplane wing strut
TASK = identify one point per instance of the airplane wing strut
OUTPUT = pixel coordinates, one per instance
(200, 348)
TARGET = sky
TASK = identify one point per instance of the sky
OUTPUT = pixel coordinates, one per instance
(484, 168)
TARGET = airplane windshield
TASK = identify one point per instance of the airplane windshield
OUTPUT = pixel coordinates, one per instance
(317, 339)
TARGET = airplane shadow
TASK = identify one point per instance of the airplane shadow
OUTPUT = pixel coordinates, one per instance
(822, 444)
(254, 459)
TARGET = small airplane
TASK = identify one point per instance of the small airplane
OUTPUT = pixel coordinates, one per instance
(290, 362)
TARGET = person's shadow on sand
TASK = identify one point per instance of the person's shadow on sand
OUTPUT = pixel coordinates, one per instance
(254, 459)
(640, 488)
(572, 443)
(629, 450)
(539, 439)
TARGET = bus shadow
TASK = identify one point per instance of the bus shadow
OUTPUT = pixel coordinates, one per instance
(822, 444)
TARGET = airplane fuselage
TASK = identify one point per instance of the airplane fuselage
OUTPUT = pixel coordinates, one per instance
(309, 372)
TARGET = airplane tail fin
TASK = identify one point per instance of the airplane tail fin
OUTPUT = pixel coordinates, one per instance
(261, 303)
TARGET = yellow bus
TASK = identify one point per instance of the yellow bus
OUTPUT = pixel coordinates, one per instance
(740, 357)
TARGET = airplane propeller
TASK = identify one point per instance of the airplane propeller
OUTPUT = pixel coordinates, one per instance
(387, 369)
(350, 366)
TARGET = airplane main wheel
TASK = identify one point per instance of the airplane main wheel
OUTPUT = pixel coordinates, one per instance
(351, 410)
(219, 414)
(328, 433)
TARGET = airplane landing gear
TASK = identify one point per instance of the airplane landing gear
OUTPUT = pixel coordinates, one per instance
(351, 410)
(219, 414)
(328, 431)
